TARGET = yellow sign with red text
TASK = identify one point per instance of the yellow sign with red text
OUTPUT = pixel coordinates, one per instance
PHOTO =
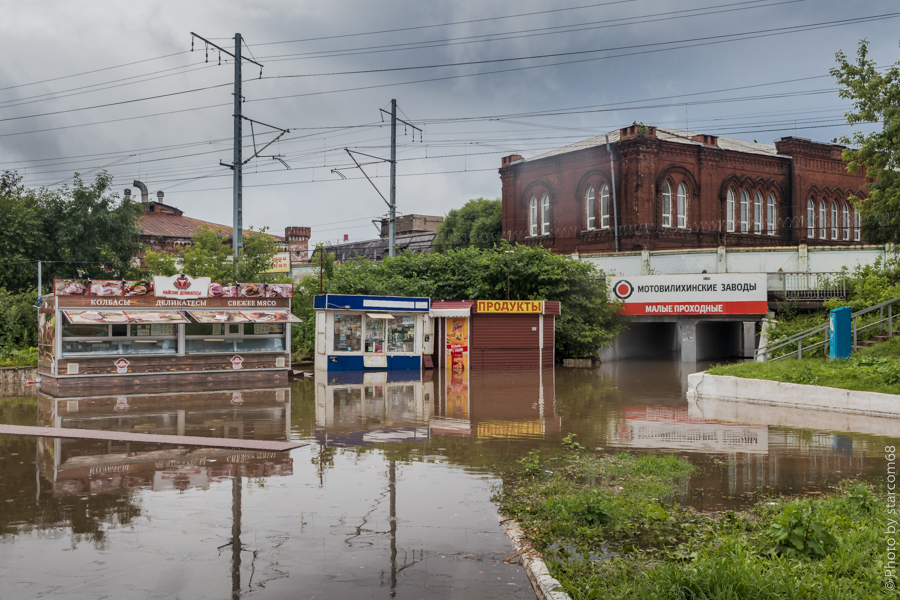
(511, 306)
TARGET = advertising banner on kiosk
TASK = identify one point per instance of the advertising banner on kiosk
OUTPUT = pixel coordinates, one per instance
(693, 294)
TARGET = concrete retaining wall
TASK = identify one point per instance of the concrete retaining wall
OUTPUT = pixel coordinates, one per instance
(15, 374)
(811, 397)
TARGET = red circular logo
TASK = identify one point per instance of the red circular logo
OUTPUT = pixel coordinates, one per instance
(623, 289)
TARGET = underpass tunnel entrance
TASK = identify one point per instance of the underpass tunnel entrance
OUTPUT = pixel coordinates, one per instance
(692, 339)
(642, 339)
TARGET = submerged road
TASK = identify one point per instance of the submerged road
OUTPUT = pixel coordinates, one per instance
(122, 436)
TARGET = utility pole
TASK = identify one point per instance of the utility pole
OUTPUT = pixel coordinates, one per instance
(237, 232)
(392, 211)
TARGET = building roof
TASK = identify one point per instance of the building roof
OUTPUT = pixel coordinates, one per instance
(667, 135)
(420, 243)
(169, 224)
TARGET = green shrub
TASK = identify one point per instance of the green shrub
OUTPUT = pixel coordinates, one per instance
(796, 533)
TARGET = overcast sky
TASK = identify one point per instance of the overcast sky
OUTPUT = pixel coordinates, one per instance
(472, 115)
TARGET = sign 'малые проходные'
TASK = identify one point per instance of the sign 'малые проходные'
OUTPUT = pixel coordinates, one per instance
(697, 294)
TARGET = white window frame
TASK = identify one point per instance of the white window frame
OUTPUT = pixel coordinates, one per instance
(681, 207)
(745, 211)
(834, 220)
(545, 214)
(823, 221)
(811, 219)
(857, 222)
(757, 214)
(532, 216)
(589, 199)
(604, 206)
(845, 222)
(729, 210)
(770, 214)
(666, 205)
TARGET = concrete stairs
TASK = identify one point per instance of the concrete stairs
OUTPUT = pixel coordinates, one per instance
(876, 339)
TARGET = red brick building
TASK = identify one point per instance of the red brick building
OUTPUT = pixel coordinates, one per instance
(677, 189)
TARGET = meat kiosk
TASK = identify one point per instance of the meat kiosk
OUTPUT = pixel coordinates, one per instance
(163, 333)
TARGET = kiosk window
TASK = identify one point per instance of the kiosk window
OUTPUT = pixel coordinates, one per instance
(229, 337)
(347, 332)
(402, 334)
(375, 335)
(118, 338)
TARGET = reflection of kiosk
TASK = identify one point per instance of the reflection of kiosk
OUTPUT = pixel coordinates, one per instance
(76, 466)
(367, 408)
(356, 333)
(109, 336)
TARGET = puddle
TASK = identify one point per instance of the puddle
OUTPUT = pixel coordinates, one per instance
(391, 496)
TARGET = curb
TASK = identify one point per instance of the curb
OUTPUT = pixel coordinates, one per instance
(546, 587)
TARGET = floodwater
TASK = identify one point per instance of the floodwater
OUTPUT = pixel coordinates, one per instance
(391, 496)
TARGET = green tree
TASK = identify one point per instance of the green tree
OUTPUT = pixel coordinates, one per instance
(82, 231)
(209, 255)
(876, 98)
(508, 271)
(478, 223)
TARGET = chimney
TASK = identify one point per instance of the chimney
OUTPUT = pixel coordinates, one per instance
(508, 160)
(706, 140)
(159, 196)
(346, 238)
(637, 130)
(145, 195)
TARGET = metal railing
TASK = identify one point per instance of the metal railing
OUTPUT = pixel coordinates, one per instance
(808, 286)
(884, 323)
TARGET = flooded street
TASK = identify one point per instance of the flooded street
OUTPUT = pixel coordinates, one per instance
(391, 498)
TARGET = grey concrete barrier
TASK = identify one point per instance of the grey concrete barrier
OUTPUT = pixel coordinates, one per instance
(776, 393)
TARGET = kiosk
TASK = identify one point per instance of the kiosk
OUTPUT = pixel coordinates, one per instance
(163, 334)
(357, 333)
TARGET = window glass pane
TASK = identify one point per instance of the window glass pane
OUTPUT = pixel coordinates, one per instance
(856, 223)
(72, 348)
(533, 216)
(834, 221)
(757, 213)
(119, 330)
(682, 206)
(822, 220)
(845, 222)
(667, 205)
(375, 335)
(729, 210)
(810, 219)
(402, 335)
(70, 330)
(770, 215)
(264, 329)
(149, 346)
(259, 344)
(545, 217)
(347, 333)
(210, 344)
(589, 207)
(745, 209)
(204, 329)
(604, 206)
(161, 330)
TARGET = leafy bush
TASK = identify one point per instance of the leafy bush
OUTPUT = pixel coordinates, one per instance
(19, 358)
(18, 320)
(796, 533)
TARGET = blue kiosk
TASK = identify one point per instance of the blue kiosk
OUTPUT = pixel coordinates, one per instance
(361, 333)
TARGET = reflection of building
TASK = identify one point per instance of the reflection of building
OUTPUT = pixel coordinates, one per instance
(676, 429)
(77, 466)
(355, 408)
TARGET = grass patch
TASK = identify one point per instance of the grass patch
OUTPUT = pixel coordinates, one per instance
(609, 526)
(872, 369)
(19, 358)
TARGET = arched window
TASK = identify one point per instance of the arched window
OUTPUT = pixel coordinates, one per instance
(729, 210)
(745, 208)
(589, 206)
(757, 213)
(823, 233)
(667, 205)
(682, 206)
(857, 234)
(604, 206)
(845, 222)
(834, 220)
(810, 219)
(532, 216)
(770, 214)
(545, 214)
